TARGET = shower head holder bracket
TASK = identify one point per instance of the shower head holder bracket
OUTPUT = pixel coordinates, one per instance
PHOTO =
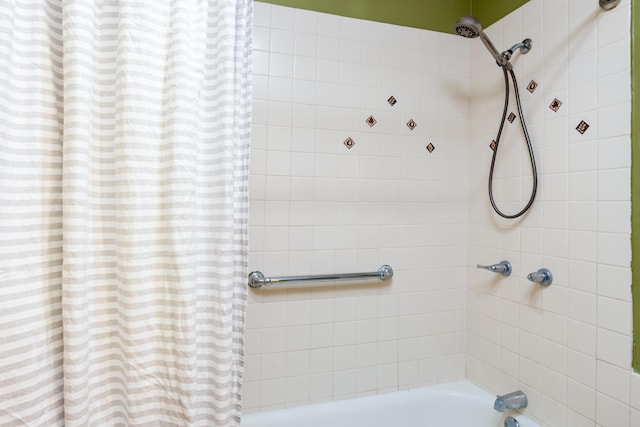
(524, 46)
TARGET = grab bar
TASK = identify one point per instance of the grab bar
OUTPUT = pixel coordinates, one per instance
(257, 279)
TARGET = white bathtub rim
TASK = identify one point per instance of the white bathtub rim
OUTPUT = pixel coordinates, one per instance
(459, 388)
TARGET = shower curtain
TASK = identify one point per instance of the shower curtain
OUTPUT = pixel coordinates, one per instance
(124, 140)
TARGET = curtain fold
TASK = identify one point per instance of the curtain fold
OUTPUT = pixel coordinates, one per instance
(124, 162)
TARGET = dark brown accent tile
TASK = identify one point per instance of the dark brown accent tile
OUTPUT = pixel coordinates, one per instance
(532, 86)
(582, 127)
(555, 105)
(371, 121)
(493, 145)
(411, 124)
(392, 101)
(349, 143)
(430, 148)
(511, 117)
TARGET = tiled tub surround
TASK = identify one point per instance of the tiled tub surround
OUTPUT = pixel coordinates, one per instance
(330, 193)
(318, 206)
(567, 346)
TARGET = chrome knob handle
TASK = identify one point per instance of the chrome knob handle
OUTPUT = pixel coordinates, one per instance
(511, 422)
(542, 276)
(503, 267)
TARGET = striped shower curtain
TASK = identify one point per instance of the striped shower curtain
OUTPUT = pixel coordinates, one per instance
(124, 134)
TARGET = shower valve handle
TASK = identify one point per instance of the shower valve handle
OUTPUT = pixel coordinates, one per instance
(542, 276)
(503, 267)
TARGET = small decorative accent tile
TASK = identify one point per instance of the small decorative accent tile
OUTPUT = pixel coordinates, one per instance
(392, 101)
(493, 145)
(555, 105)
(532, 86)
(371, 121)
(430, 148)
(411, 124)
(349, 143)
(582, 127)
(511, 117)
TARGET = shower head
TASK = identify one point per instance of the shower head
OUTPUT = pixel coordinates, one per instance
(469, 27)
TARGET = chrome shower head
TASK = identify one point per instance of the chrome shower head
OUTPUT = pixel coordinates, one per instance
(469, 27)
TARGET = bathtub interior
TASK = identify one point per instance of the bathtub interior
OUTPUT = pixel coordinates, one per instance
(458, 403)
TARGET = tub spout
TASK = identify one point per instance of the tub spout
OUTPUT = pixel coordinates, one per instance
(515, 400)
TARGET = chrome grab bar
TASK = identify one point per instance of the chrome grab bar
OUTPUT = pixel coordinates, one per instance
(258, 280)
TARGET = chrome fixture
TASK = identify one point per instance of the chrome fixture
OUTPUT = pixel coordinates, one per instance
(503, 267)
(609, 4)
(257, 279)
(524, 46)
(542, 276)
(469, 27)
(514, 400)
(511, 422)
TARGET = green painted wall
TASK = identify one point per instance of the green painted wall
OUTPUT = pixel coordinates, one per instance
(490, 11)
(434, 15)
(635, 182)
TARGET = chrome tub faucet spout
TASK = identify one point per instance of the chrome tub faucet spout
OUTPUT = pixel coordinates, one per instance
(514, 400)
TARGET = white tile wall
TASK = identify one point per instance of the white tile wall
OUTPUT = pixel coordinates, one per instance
(573, 351)
(318, 207)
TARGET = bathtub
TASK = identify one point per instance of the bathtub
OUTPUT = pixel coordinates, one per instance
(457, 403)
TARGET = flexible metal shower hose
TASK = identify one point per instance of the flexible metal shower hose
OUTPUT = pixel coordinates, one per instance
(534, 187)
